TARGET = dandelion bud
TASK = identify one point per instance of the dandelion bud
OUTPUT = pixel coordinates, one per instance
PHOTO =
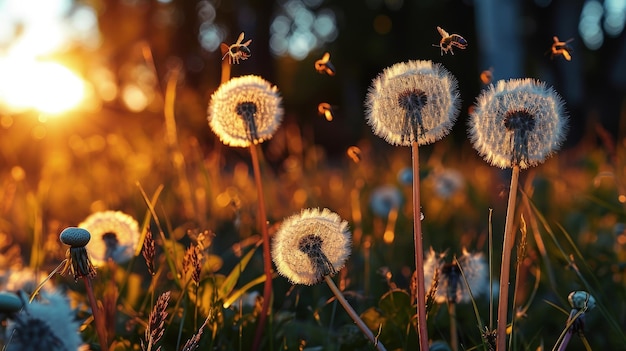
(77, 261)
(581, 300)
(10, 302)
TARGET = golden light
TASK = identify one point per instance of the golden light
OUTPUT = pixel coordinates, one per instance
(45, 86)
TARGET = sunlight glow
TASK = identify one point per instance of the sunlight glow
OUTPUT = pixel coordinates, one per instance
(48, 87)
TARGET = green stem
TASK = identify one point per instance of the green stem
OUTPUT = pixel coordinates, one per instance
(419, 251)
(352, 313)
(505, 268)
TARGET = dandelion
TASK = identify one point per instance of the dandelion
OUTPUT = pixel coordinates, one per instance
(447, 182)
(115, 236)
(245, 110)
(456, 282)
(413, 101)
(313, 246)
(451, 286)
(516, 123)
(410, 104)
(48, 323)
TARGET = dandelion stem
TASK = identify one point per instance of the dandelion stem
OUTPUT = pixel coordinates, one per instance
(267, 261)
(355, 317)
(97, 317)
(419, 251)
(505, 268)
(565, 340)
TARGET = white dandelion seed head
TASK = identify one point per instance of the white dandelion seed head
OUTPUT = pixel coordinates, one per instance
(245, 110)
(48, 322)
(451, 285)
(413, 101)
(518, 122)
(114, 234)
(311, 245)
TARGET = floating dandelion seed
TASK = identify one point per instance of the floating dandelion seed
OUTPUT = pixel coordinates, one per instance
(413, 101)
(311, 245)
(324, 65)
(115, 235)
(517, 122)
(48, 323)
(245, 110)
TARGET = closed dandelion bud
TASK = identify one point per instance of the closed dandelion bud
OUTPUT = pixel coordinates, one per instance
(245, 110)
(517, 122)
(311, 245)
(414, 101)
(77, 261)
(115, 235)
(10, 302)
(581, 300)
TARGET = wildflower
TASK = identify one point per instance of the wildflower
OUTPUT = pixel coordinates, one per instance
(48, 323)
(156, 324)
(451, 286)
(413, 101)
(115, 236)
(385, 198)
(311, 245)
(148, 252)
(245, 110)
(77, 259)
(517, 122)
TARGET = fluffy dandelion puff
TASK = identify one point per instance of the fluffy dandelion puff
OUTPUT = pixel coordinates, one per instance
(48, 323)
(385, 198)
(413, 101)
(517, 122)
(245, 110)
(114, 235)
(451, 286)
(311, 245)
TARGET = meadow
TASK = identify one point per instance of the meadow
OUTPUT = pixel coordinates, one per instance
(184, 220)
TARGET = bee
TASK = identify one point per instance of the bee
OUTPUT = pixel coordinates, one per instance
(324, 109)
(448, 41)
(324, 65)
(561, 48)
(237, 51)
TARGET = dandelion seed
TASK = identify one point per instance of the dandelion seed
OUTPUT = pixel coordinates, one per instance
(48, 323)
(413, 101)
(451, 286)
(245, 110)
(311, 245)
(517, 122)
(115, 236)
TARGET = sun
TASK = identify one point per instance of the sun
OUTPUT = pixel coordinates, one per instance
(45, 86)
